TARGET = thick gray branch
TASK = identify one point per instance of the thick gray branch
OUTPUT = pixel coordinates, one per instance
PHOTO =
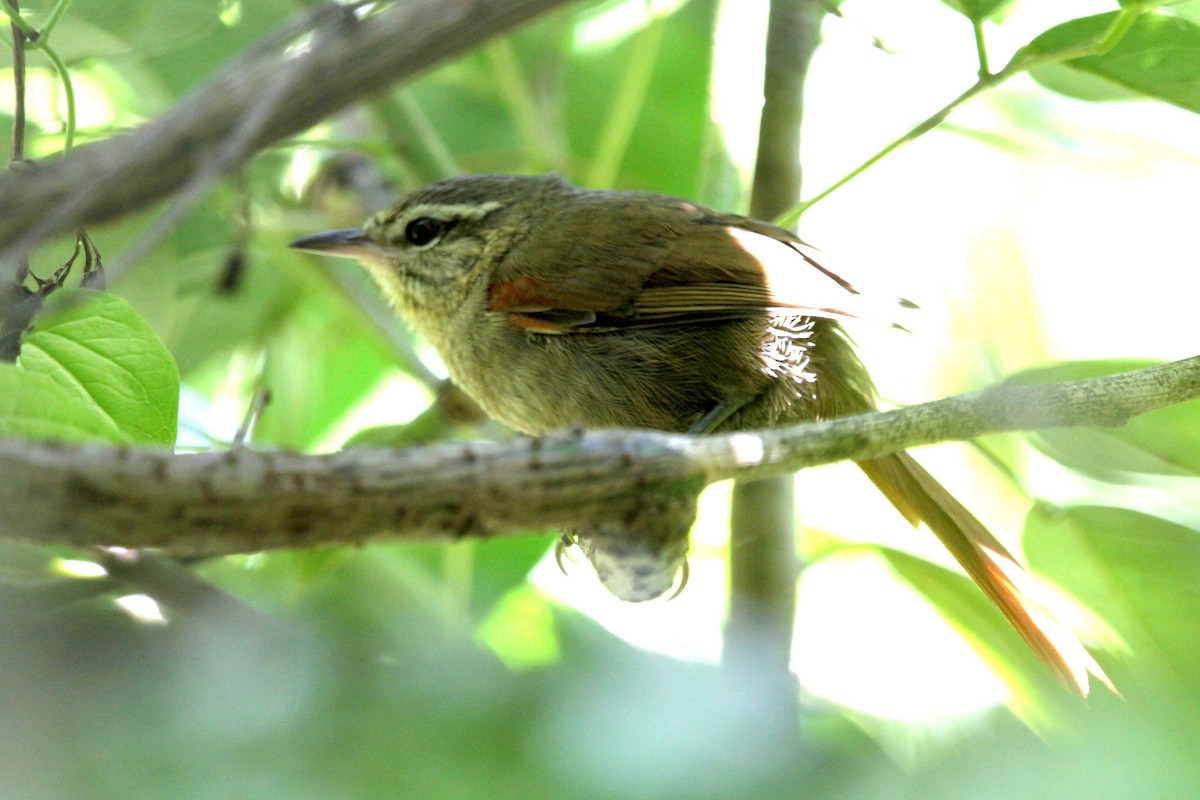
(215, 503)
(346, 60)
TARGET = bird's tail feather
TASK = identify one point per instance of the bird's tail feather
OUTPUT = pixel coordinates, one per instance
(919, 497)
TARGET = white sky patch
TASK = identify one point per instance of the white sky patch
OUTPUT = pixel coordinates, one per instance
(143, 608)
(747, 448)
(867, 641)
(613, 22)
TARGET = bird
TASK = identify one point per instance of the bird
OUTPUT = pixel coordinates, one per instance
(555, 306)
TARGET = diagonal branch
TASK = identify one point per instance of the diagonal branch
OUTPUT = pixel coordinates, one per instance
(218, 503)
(350, 59)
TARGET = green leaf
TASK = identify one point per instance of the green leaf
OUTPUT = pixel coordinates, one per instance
(1162, 442)
(274, 579)
(451, 94)
(33, 406)
(151, 26)
(472, 576)
(974, 616)
(76, 39)
(428, 426)
(197, 41)
(521, 630)
(1159, 57)
(1187, 9)
(978, 10)
(503, 564)
(677, 101)
(209, 323)
(318, 364)
(95, 348)
(1142, 575)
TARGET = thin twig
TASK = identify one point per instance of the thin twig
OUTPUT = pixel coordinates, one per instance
(518, 97)
(105, 179)
(233, 150)
(981, 48)
(261, 398)
(1022, 61)
(20, 269)
(18, 48)
(64, 75)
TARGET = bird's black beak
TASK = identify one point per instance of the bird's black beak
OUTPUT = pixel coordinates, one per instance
(350, 242)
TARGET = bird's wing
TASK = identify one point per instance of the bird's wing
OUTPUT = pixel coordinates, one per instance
(618, 263)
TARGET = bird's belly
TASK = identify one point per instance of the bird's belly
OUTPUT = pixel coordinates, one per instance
(664, 380)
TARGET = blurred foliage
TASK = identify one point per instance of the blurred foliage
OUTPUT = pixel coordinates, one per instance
(435, 670)
(1163, 442)
(1139, 64)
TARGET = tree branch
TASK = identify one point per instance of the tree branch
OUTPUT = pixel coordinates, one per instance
(220, 503)
(762, 555)
(350, 59)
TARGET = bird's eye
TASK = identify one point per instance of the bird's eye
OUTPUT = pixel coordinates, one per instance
(423, 231)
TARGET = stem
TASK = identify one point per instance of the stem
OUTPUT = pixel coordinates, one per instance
(22, 30)
(21, 267)
(792, 216)
(12, 9)
(981, 48)
(123, 173)
(519, 99)
(56, 13)
(18, 48)
(428, 134)
(1022, 61)
(64, 75)
(626, 106)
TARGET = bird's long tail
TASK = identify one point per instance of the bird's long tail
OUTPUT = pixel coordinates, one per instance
(919, 497)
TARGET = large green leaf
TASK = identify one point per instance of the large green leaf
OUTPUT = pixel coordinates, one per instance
(1162, 442)
(34, 406)
(95, 347)
(974, 616)
(1158, 57)
(469, 576)
(1141, 574)
(76, 39)
(1188, 9)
